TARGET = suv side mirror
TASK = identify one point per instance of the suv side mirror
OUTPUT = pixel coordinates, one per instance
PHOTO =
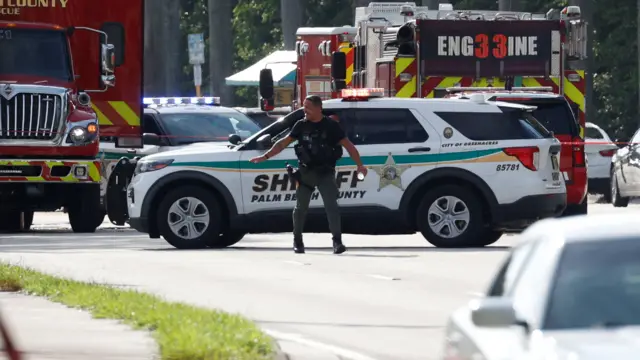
(493, 312)
(264, 142)
(107, 65)
(151, 139)
(235, 139)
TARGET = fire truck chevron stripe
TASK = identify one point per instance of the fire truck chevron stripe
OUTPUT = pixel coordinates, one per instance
(346, 48)
(405, 66)
(112, 113)
(102, 118)
(123, 109)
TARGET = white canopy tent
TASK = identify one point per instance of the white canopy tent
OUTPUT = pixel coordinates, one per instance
(282, 64)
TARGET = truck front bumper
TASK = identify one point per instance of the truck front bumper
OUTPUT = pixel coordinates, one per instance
(45, 185)
(49, 171)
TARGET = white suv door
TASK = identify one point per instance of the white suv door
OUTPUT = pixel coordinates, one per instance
(396, 145)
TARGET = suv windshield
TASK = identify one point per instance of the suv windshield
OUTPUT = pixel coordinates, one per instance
(597, 284)
(35, 52)
(202, 127)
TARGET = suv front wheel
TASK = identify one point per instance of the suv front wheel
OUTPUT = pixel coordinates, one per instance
(450, 216)
(189, 217)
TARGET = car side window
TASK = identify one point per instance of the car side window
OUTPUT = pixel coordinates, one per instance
(593, 133)
(385, 126)
(508, 274)
(506, 125)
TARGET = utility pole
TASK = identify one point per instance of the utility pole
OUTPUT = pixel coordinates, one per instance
(509, 5)
(292, 14)
(172, 47)
(220, 49)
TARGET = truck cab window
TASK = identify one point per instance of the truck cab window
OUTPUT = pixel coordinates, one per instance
(35, 52)
(115, 36)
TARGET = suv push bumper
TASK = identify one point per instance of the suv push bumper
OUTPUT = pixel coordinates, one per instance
(531, 208)
(140, 224)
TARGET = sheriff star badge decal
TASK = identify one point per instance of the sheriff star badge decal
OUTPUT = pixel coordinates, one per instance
(390, 173)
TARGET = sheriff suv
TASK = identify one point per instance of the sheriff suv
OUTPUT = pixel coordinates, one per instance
(555, 113)
(458, 171)
(173, 123)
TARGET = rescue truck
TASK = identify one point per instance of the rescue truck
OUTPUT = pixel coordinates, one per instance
(443, 52)
(317, 73)
(58, 98)
(314, 48)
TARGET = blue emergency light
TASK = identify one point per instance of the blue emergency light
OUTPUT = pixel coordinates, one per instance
(208, 100)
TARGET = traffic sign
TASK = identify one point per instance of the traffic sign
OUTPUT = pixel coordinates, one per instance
(196, 49)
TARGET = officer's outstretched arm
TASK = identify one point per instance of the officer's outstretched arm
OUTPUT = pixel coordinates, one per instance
(278, 146)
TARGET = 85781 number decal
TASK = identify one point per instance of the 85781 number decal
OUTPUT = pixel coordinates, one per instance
(508, 167)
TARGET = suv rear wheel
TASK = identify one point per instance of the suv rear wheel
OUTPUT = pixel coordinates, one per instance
(450, 216)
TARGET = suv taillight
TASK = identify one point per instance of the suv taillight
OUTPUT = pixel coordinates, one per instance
(527, 156)
(577, 151)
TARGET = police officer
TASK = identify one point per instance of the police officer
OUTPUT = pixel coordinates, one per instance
(320, 142)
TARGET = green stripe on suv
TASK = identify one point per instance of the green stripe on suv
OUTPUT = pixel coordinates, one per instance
(367, 160)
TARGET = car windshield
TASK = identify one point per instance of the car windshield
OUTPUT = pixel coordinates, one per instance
(597, 284)
(34, 52)
(202, 127)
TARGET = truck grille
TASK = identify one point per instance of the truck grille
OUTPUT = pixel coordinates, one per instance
(30, 116)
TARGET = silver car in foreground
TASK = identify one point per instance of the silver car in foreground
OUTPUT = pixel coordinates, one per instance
(569, 290)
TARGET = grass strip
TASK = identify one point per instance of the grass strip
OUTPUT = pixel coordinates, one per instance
(182, 332)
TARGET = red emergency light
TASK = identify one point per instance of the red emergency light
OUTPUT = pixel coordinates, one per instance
(366, 93)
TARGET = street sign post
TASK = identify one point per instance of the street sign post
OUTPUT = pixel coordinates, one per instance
(196, 58)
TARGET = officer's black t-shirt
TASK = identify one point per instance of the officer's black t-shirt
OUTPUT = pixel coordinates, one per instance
(335, 134)
(309, 133)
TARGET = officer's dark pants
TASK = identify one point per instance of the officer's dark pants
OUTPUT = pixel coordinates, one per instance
(325, 181)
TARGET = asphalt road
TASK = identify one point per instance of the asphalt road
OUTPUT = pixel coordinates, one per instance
(388, 297)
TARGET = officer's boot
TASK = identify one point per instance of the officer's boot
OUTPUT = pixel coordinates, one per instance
(338, 247)
(298, 246)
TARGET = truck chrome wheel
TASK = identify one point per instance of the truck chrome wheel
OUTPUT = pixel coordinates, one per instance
(188, 218)
(448, 217)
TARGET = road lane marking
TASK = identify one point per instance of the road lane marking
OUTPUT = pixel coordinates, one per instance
(298, 338)
(382, 277)
(296, 263)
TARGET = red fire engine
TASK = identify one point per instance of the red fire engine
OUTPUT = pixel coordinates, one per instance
(482, 51)
(58, 98)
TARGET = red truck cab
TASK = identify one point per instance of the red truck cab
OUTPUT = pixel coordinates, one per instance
(315, 73)
(58, 97)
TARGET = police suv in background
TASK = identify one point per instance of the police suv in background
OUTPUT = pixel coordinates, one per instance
(172, 123)
(461, 182)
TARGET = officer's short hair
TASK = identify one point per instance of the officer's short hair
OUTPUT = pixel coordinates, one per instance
(315, 100)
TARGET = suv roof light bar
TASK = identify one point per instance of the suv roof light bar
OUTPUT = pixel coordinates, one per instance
(496, 89)
(208, 100)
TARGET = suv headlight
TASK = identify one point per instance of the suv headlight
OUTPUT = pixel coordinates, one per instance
(151, 165)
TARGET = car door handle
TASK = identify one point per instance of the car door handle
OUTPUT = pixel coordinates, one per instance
(419, 149)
